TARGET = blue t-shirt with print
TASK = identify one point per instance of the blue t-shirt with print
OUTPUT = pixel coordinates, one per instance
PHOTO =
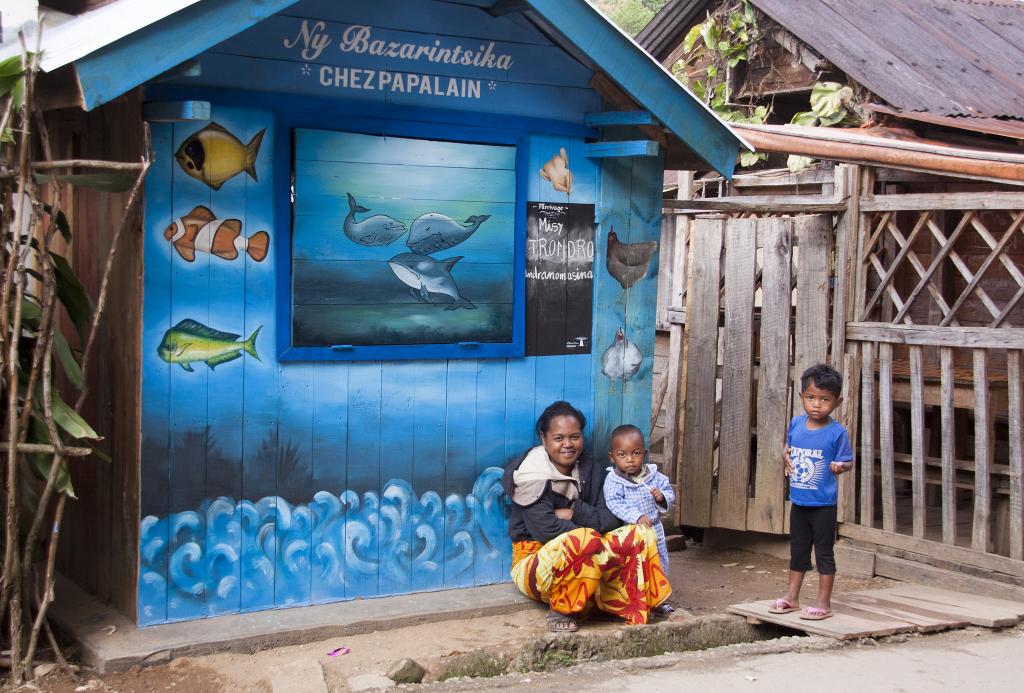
(811, 482)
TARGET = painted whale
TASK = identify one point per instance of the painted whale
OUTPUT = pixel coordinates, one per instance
(430, 280)
(434, 231)
(376, 230)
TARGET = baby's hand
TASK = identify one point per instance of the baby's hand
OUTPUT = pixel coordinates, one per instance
(645, 521)
(659, 497)
(839, 467)
(563, 513)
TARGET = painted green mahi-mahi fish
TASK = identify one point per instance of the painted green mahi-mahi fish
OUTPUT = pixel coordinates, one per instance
(190, 341)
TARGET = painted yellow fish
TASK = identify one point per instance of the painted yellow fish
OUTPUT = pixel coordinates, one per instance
(214, 155)
(190, 341)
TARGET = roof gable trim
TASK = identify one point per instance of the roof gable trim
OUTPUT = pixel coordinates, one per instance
(645, 80)
(121, 66)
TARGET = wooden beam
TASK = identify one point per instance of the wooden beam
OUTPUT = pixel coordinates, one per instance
(910, 570)
(957, 554)
(615, 96)
(108, 73)
(176, 111)
(927, 335)
(921, 201)
(764, 204)
(627, 148)
(606, 118)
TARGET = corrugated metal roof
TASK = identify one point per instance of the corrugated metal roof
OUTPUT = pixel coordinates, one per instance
(668, 28)
(947, 57)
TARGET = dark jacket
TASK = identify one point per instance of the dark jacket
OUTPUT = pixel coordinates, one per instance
(538, 522)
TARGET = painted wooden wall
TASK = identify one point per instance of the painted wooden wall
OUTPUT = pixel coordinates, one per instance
(269, 484)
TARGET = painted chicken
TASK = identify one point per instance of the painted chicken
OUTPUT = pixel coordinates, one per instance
(628, 262)
(622, 359)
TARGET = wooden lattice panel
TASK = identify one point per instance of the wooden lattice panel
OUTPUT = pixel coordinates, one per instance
(944, 268)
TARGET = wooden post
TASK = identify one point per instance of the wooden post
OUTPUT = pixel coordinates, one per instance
(917, 440)
(767, 509)
(865, 187)
(700, 352)
(676, 370)
(983, 450)
(885, 436)
(846, 357)
(730, 504)
(812, 292)
(867, 437)
(948, 446)
(1016, 430)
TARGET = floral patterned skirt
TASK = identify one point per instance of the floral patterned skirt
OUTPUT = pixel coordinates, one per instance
(620, 573)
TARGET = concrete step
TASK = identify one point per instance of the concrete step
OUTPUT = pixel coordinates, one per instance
(111, 642)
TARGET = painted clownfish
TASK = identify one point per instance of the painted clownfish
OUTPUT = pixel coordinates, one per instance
(200, 230)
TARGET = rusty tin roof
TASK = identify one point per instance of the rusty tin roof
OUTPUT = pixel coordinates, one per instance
(946, 57)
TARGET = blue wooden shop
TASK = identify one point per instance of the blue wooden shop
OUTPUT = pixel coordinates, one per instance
(378, 238)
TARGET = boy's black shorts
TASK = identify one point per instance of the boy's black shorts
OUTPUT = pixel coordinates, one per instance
(812, 526)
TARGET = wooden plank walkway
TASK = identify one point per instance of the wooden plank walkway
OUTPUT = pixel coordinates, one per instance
(901, 609)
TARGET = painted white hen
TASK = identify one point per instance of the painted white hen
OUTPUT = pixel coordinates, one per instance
(622, 359)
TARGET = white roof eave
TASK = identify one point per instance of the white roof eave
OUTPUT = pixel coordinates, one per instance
(81, 35)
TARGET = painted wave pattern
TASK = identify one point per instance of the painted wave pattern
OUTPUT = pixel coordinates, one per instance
(193, 560)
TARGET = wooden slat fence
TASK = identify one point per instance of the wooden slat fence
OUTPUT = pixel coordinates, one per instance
(757, 314)
(918, 299)
(939, 336)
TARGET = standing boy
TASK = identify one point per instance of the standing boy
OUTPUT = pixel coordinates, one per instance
(817, 451)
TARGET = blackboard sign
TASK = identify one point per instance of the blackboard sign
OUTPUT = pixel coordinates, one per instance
(559, 278)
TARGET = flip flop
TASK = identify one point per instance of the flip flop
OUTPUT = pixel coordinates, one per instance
(782, 606)
(813, 613)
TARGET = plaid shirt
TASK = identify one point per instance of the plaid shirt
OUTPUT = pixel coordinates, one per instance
(629, 501)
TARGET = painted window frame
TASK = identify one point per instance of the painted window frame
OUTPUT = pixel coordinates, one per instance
(284, 126)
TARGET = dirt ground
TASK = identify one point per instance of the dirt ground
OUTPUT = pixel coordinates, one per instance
(704, 581)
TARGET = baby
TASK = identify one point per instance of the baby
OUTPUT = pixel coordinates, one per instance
(638, 493)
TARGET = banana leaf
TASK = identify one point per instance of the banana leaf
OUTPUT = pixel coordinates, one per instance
(42, 463)
(67, 359)
(62, 223)
(72, 423)
(73, 295)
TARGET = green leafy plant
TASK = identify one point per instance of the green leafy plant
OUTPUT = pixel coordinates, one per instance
(39, 367)
(719, 44)
(12, 90)
(832, 103)
(631, 15)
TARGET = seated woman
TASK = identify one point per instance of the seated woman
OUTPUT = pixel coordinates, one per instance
(566, 549)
